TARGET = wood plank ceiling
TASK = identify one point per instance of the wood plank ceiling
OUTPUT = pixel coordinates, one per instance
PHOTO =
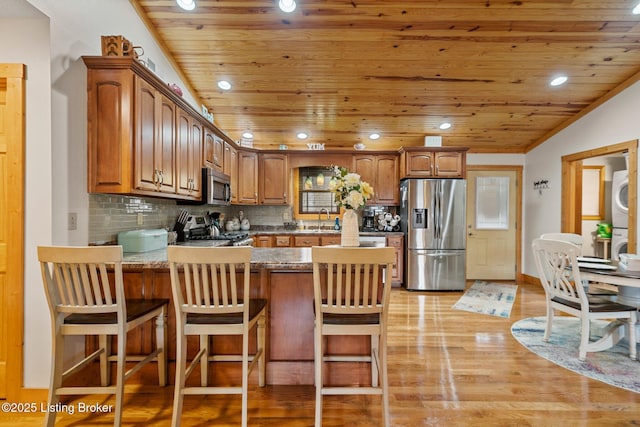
(341, 69)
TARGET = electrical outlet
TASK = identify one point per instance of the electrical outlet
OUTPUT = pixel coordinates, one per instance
(286, 215)
(73, 221)
(140, 218)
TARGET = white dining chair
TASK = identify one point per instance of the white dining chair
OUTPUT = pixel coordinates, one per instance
(559, 272)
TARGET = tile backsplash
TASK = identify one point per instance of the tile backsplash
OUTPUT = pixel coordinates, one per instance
(110, 214)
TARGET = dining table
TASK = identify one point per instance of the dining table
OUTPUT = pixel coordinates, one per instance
(628, 283)
(614, 273)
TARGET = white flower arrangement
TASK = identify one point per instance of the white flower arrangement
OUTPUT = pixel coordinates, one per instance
(349, 190)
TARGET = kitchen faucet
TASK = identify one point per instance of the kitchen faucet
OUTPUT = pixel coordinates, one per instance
(320, 213)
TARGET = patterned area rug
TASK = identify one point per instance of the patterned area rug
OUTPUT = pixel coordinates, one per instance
(611, 366)
(494, 299)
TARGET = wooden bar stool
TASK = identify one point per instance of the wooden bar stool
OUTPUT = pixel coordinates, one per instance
(212, 297)
(351, 297)
(85, 299)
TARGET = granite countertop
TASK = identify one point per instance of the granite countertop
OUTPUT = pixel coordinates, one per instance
(283, 231)
(268, 258)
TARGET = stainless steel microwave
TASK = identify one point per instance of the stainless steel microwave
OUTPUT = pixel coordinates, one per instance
(216, 188)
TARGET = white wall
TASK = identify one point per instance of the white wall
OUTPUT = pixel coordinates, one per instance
(613, 122)
(33, 51)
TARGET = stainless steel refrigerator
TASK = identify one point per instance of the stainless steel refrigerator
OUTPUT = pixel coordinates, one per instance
(433, 217)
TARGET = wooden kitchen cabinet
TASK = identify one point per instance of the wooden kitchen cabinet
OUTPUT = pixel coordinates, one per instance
(419, 162)
(262, 241)
(247, 193)
(282, 241)
(397, 275)
(333, 239)
(143, 139)
(189, 143)
(154, 140)
(213, 150)
(306, 241)
(274, 179)
(231, 169)
(381, 171)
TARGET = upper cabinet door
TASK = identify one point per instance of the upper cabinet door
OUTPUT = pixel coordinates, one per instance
(247, 192)
(274, 179)
(213, 150)
(189, 142)
(419, 164)
(154, 141)
(450, 164)
(381, 171)
(387, 180)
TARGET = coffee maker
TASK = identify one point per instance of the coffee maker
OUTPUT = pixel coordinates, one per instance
(368, 219)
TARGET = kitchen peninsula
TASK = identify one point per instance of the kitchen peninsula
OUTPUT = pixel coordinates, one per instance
(283, 276)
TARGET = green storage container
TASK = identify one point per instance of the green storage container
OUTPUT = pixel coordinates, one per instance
(142, 240)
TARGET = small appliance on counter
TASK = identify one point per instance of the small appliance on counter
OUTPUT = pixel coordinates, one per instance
(142, 240)
(369, 219)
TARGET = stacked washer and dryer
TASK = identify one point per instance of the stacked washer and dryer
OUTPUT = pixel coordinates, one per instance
(619, 213)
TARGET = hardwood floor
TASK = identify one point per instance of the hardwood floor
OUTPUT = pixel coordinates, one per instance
(446, 368)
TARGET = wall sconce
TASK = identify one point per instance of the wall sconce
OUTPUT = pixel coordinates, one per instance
(541, 184)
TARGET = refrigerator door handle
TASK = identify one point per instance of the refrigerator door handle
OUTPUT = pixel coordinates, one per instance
(403, 203)
(438, 211)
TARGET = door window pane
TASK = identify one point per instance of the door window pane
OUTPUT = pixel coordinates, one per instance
(492, 202)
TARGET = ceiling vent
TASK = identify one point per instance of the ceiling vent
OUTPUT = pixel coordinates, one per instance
(433, 141)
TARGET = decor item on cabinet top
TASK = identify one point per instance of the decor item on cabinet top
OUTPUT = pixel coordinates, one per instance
(350, 193)
(175, 88)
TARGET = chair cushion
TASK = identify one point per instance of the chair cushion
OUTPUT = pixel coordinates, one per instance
(351, 319)
(255, 307)
(135, 308)
(597, 305)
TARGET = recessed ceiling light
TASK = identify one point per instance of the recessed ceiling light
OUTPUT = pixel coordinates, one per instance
(636, 10)
(557, 81)
(445, 125)
(287, 6)
(374, 136)
(247, 135)
(186, 4)
(302, 135)
(224, 85)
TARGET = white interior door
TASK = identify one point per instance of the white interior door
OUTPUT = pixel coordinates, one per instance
(491, 224)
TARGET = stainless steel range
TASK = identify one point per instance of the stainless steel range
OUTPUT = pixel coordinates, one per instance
(198, 228)
(235, 239)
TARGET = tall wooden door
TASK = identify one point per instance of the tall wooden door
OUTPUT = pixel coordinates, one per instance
(11, 226)
(491, 224)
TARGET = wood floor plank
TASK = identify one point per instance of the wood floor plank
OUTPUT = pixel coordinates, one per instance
(446, 368)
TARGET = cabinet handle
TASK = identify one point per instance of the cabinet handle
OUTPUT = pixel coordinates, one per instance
(156, 179)
(161, 178)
